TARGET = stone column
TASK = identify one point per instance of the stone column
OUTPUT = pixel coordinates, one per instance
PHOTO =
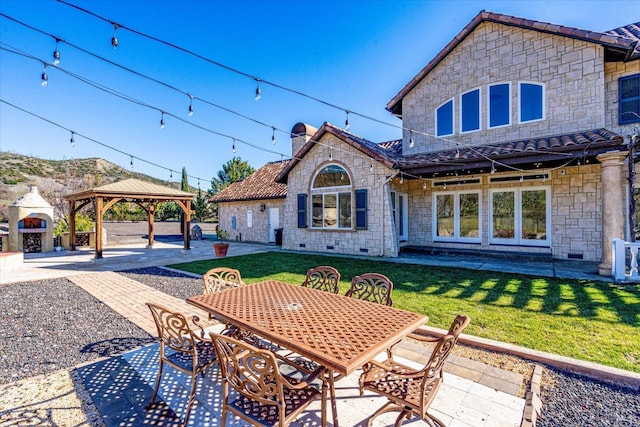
(612, 204)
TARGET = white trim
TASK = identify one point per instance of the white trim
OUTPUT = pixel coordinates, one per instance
(544, 103)
(488, 104)
(453, 117)
(337, 187)
(517, 239)
(456, 217)
(460, 112)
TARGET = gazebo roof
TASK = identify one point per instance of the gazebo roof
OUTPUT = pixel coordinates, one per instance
(132, 188)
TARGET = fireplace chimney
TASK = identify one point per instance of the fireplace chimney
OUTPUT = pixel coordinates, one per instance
(301, 133)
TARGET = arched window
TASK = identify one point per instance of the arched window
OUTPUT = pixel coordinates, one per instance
(331, 198)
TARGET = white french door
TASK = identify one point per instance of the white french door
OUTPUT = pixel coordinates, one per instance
(520, 216)
(400, 207)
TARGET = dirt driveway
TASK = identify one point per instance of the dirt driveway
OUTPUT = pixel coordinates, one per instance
(132, 232)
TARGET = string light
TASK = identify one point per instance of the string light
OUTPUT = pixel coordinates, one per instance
(371, 166)
(72, 142)
(44, 77)
(273, 136)
(493, 167)
(411, 143)
(444, 186)
(424, 184)
(330, 153)
(190, 105)
(346, 122)
(258, 91)
(563, 172)
(131, 163)
(233, 147)
(56, 53)
(521, 178)
(114, 39)
(170, 175)
(401, 178)
(457, 156)
(162, 121)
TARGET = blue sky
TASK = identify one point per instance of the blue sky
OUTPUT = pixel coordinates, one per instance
(353, 54)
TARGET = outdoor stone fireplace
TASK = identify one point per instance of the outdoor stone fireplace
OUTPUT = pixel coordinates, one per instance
(31, 224)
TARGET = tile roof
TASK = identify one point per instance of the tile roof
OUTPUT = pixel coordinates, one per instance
(631, 32)
(258, 186)
(549, 148)
(621, 44)
(384, 152)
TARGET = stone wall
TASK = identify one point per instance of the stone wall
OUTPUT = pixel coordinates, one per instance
(259, 230)
(572, 72)
(378, 239)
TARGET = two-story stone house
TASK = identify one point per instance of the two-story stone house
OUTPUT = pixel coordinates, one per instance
(515, 138)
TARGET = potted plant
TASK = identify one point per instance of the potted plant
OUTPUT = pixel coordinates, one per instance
(221, 247)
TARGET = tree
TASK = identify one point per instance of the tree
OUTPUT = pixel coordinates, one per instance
(200, 207)
(184, 186)
(234, 170)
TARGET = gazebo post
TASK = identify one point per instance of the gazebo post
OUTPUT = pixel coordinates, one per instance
(99, 204)
(151, 209)
(187, 225)
(72, 225)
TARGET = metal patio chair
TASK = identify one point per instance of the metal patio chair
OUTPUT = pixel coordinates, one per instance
(371, 287)
(221, 278)
(265, 397)
(181, 348)
(324, 278)
(411, 391)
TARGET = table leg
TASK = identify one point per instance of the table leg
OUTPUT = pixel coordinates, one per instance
(332, 391)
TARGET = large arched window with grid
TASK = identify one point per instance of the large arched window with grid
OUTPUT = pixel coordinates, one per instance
(331, 198)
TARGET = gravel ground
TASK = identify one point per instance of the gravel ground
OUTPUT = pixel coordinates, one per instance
(51, 325)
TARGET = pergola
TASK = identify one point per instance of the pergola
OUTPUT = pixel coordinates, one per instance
(144, 194)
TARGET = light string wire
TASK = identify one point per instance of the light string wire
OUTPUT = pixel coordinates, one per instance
(294, 91)
(76, 133)
(457, 144)
(138, 102)
(192, 97)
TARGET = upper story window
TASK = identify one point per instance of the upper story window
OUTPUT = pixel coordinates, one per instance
(629, 99)
(470, 111)
(331, 198)
(499, 105)
(531, 102)
(444, 119)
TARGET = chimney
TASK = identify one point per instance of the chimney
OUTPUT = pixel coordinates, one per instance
(33, 189)
(301, 133)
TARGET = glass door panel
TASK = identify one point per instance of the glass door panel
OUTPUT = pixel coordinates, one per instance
(503, 218)
(445, 215)
(534, 215)
(470, 215)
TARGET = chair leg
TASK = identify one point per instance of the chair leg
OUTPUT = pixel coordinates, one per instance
(390, 406)
(323, 405)
(192, 398)
(157, 387)
(433, 421)
(405, 413)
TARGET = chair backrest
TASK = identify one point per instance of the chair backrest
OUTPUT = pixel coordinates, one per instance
(444, 345)
(252, 372)
(173, 329)
(221, 278)
(324, 278)
(372, 287)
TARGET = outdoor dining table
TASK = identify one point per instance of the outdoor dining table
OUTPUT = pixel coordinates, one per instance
(338, 333)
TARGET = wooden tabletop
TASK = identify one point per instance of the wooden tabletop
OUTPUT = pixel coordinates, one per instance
(338, 332)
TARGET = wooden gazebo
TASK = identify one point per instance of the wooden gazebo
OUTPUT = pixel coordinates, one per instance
(144, 194)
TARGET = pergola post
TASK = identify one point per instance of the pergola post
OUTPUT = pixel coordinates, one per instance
(187, 225)
(72, 225)
(99, 212)
(151, 210)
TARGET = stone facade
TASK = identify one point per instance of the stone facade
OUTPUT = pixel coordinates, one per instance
(572, 72)
(234, 218)
(379, 237)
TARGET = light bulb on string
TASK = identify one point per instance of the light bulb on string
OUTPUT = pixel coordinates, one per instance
(273, 136)
(131, 162)
(56, 53)
(72, 142)
(330, 153)
(521, 178)
(233, 147)
(44, 77)
(258, 91)
(371, 166)
(162, 120)
(401, 178)
(411, 142)
(424, 184)
(444, 186)
(170, 175)
(563, 172)
(493, 168)
(190, 105)
(346, 122)
(457, 156)
(114, 39)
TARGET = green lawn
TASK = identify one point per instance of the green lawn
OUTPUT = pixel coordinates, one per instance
(587, 320)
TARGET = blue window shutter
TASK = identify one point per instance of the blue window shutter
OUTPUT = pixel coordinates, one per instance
(361, 209)
(302, 210)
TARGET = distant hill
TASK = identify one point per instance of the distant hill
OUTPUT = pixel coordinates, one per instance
(19, 172)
